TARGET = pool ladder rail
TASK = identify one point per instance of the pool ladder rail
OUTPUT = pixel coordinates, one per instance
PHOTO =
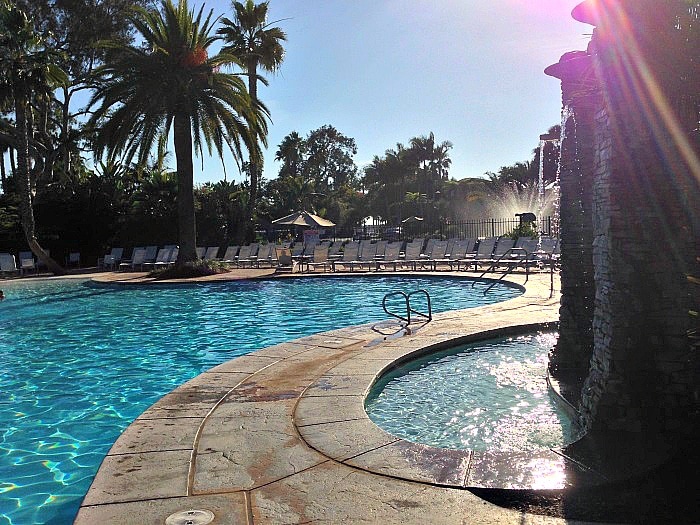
(513, 258)
(409, 309)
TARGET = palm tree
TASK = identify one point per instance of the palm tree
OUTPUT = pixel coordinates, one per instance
(258, 45)
(290, 153)
(29, 74)
(170, 82)
(433, 161)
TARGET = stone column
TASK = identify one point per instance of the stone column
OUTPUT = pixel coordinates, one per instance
(581, 98)
(643, 373)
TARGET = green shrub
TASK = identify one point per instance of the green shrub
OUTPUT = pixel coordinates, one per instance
(527, 229)
(199, 268)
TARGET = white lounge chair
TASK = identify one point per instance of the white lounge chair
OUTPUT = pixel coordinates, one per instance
(27, 263)
(350, 254)
(8, 264)
(391, 256)
(320, 257)
(137, 259)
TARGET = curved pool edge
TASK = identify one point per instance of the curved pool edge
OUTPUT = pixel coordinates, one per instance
(263, 437)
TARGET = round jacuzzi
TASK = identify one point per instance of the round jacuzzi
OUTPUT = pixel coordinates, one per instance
(487, 395)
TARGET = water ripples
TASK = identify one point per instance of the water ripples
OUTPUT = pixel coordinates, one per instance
(490, 395)
(80, 362)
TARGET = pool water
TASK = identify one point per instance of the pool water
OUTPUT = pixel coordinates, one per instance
(80, 362)
(489, 395)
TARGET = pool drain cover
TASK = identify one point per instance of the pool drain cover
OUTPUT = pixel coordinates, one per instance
(190, 517)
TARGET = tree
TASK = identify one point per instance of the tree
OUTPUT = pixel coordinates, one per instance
(74, 27)
(172, 83)
(258, 45)
(290, 153)
(432, 162)
(329, 159)
(29, 72)
(408, 180)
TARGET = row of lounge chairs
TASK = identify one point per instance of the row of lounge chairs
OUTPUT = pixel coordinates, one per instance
(457, 254)
(420, 254)
(25, 262)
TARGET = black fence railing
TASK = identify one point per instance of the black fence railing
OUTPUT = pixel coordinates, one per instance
(443, 229)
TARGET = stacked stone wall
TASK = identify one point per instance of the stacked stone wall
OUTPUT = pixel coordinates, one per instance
(630, 206)
(641, 371)
(574, 348)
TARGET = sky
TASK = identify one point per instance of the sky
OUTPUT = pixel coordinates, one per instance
(384, 71)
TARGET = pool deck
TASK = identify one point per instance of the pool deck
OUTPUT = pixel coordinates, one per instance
(281, 435)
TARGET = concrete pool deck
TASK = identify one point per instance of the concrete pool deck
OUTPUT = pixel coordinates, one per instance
(281, 436)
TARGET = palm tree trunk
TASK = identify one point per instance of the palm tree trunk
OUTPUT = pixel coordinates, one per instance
(3, 175)
(182, 137)
(254, 162)
(24, 186)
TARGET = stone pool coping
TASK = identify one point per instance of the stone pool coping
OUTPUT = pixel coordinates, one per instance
(281, 436)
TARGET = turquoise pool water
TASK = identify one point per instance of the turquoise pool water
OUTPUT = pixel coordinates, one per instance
(489, 395)
(80, 362)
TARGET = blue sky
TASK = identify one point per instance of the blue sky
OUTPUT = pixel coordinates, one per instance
(384, 71)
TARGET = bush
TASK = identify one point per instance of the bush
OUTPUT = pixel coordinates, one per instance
(527, 229)
(199, 268)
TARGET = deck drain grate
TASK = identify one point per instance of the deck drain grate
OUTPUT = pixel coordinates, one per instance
(190, 517)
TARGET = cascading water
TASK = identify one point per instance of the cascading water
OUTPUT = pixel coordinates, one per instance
(540, 180)
(567, 114)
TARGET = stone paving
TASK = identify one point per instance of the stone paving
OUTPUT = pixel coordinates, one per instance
(281, 436)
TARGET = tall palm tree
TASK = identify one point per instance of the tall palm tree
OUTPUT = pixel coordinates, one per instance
(172, 83)
(433, 161)
(290, 153)
(29, 74)
(258, 45)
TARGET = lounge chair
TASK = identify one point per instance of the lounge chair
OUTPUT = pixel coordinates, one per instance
(366, 256)
(137, 259)
(437, 254)
(458, 252)
(381, 247)
(391, 256)
(484, 251)
(547, 251)
(412, 254)
(245, 256)
(334, 252)
(264, 255)
(230, 254)
(503, 247)
(73, 259)
(27, 262)
(298, 249)
(211, 253)
(285, 263)
(8, 264)
(350, 254)
(200, 251)
(320, 257)
(113, 258)
(162, 258)
(173, 256)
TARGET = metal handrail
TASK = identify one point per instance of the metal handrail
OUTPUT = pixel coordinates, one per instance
(406, 319)
(409, 309)
(511, 267)
(429, 315)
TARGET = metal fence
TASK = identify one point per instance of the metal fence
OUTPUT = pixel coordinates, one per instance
(444, 229)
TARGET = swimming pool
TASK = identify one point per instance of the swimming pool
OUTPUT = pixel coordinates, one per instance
(489, 395)
(80, 361)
